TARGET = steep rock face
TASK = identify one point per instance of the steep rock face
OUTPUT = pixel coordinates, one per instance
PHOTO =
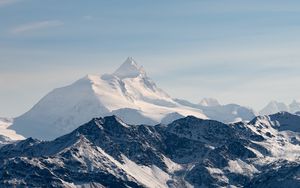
(280, 174)
(282, 121)
(104, 152)
(187, 152)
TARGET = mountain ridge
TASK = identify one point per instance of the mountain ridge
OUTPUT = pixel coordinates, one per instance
(275, 106)
(187, 152)
(127, 92)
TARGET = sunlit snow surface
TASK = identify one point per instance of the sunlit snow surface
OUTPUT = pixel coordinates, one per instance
(128, 92)
(7, 135)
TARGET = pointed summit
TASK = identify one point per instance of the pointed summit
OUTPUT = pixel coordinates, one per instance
(129, 69)
(274, 107)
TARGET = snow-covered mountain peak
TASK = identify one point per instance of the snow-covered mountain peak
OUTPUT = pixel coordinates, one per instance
(110, 121)
(128, 93)
(274, 107)
(209, 102)
(281, 121)
(129, 69)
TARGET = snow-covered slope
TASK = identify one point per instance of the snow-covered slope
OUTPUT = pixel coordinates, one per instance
(274, 107)
(128, 92)
(7, 135)
(188, 152)
(224, 113)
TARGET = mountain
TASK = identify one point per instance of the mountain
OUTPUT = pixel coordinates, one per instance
(225, 113)
(274, 107)
(7, 135)
(128, 93)
(189, 152)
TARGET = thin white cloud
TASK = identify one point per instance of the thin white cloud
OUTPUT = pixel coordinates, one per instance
(7, 2)
(36, 26)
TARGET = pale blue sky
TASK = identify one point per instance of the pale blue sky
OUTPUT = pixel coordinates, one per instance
(244, 52)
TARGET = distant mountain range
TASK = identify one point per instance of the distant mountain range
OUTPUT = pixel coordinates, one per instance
(190, 152)
(274, 107)
(128, 93)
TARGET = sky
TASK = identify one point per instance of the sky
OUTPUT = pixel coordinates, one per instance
(244, 52)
